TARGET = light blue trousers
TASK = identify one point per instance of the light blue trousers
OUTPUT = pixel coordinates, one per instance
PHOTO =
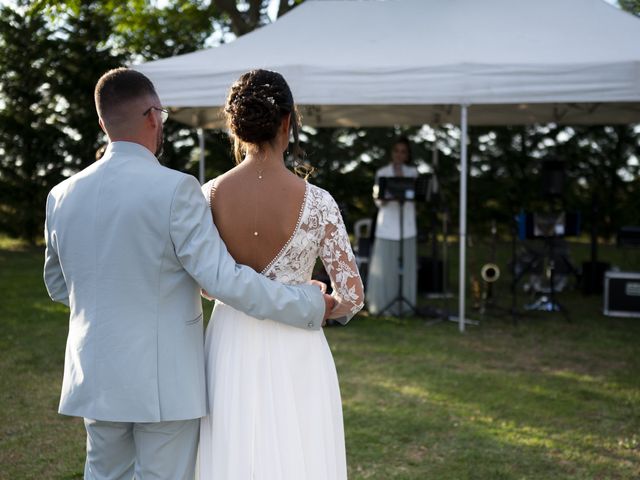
(150, 451)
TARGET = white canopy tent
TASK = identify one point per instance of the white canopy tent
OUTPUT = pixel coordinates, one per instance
(413, 62)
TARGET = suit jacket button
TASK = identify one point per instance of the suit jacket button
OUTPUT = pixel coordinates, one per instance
(310, 324)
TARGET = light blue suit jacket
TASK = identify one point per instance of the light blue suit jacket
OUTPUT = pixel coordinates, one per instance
(129, 243)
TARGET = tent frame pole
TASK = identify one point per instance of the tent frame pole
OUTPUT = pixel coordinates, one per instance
(463, 218)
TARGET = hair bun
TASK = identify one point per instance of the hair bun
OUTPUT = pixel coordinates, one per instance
(254, 117)
(255, 108)
(256, 105)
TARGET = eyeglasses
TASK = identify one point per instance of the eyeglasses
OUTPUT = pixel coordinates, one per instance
(163, 111)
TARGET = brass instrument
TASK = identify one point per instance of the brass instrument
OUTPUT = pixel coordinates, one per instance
(490, 272)
(476, 288)
(476, 292)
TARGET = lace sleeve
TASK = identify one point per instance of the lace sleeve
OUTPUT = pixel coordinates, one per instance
(207, 190)
(340, 263)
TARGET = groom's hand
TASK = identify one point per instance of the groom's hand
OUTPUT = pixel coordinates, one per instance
(321, 285)
(329, 303)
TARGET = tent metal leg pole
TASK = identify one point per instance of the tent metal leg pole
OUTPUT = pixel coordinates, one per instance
(201, 154)
(463, 218)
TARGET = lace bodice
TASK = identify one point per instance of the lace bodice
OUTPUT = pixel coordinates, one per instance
(319, 232)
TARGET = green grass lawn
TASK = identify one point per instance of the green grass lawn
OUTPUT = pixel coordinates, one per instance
(546, 399)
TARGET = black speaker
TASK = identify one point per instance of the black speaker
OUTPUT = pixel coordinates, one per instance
(592, 280)
(629, 236)
(430, 275)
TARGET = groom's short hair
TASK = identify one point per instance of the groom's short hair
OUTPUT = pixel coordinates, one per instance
(119, 86)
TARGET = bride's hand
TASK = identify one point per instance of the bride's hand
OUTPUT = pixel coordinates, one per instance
(321, 285)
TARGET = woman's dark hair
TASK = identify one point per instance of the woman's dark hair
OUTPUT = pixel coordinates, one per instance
(407, 143)
(256, 104)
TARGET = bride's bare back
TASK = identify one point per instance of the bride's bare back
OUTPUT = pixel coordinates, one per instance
(256, 216)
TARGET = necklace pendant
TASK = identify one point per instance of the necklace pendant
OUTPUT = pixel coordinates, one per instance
(255, 234)
(259, 177)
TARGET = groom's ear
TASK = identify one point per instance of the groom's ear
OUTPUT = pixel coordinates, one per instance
(151, 119)
(102, 126)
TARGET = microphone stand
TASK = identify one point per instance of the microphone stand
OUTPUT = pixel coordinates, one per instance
(400, 298)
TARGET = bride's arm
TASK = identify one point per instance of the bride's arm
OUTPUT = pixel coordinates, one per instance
(340, 263)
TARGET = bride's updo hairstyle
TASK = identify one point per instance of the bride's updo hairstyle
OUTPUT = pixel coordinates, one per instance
(255, 107)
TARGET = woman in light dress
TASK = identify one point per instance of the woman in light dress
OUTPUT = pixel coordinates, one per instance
(382, 285)
(275, 411)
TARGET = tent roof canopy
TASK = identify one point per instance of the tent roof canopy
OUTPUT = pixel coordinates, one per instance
(375, 63)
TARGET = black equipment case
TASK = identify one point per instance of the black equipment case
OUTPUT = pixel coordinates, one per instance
(622, 294)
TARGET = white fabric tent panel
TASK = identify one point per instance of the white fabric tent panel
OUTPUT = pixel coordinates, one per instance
(425, 52)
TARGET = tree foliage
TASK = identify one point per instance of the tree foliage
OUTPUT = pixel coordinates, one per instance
(631, 6)
(32, 140)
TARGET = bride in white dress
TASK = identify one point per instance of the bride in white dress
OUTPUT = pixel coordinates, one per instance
(274, 401)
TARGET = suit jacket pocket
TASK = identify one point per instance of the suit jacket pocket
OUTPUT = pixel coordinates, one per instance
(195, 320)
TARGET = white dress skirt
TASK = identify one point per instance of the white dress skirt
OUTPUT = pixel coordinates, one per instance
(275, 402)
(275, 411)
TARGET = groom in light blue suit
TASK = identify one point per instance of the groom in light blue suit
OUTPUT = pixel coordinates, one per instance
(129, 244)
